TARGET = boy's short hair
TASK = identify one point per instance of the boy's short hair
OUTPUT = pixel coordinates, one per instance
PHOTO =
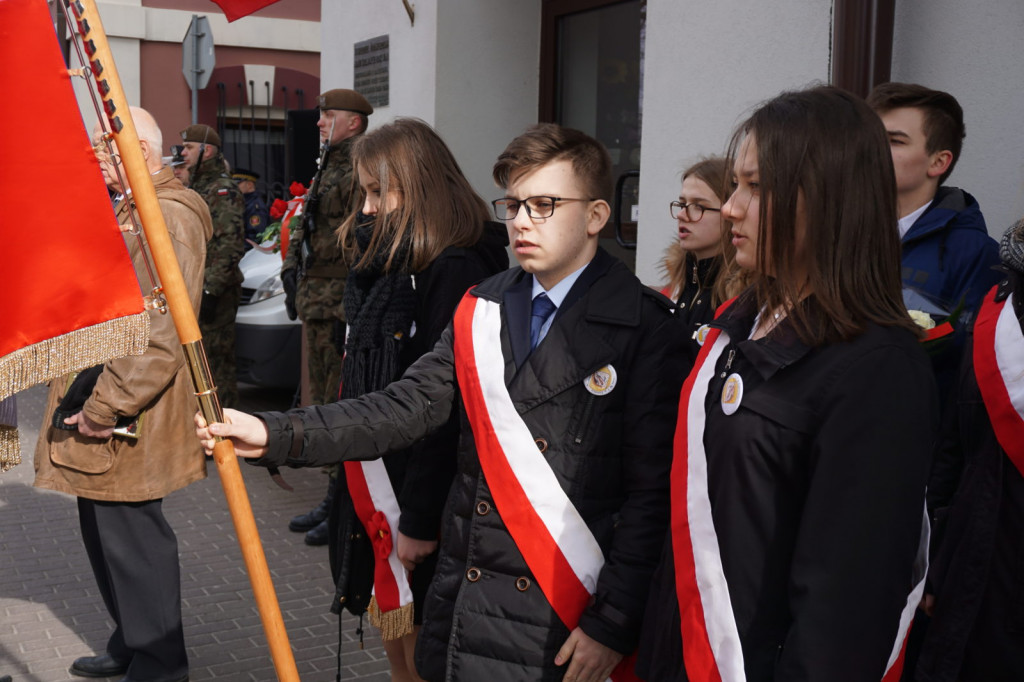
(546, 142)
(943, 116)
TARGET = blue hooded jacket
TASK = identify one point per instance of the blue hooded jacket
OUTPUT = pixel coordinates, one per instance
(949, 257)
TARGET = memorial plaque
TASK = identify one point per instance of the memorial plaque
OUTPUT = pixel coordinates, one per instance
(371, 70)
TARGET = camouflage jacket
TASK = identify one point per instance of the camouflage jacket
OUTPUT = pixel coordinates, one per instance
(227, 208)
(321, 284)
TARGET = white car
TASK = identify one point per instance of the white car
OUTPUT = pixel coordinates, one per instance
(267, 343)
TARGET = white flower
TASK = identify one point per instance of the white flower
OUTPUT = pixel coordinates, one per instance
(922, 319)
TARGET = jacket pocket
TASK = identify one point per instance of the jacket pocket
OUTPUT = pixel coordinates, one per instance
(72, 451)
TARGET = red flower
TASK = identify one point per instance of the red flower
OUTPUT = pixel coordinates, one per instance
(278, 208)
(297, 189)
(380, 534)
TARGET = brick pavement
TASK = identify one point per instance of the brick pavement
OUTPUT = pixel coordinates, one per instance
(51, 611)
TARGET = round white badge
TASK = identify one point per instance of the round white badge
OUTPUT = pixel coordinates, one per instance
(602, 381)
(701, 334)
(732, 393)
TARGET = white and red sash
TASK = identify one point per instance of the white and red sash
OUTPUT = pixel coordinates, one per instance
(999, 370)
(376, 505)
(712, 651)
(556, 543)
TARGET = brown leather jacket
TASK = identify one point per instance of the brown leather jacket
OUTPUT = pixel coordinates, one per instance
(166, 455)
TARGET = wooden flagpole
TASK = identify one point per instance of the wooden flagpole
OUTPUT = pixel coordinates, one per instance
(115, 105)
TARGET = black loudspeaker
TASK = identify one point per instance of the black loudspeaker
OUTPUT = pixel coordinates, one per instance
(302, 144)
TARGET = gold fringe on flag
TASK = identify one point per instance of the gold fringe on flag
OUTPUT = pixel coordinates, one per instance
(10, 448)
(393, 624)
(74, 351)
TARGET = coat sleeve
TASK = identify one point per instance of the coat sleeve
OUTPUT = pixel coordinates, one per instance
(128, 385)
(614, 616)
(369, 426)
(852, 567)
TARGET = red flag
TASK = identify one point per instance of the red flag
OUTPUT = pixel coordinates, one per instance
(70, 298)
(236, 9)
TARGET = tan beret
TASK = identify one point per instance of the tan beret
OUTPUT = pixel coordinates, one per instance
(349, 100)
(203, 134)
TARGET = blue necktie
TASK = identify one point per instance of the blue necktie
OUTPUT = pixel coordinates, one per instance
(542, 309)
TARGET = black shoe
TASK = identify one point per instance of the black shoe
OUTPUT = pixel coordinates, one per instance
(317, 536)
(103, 665)
(311, 519)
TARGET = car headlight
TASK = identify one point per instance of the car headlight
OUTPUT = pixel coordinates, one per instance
(270, 287)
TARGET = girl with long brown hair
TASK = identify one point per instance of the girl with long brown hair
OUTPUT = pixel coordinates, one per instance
(421, 240)
(695, 262)
(798, 537)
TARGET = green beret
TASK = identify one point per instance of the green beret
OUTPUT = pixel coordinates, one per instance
(349, 100)
(203, 134)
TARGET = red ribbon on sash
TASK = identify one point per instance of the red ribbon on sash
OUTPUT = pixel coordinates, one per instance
(377, 508)
(554, 540)
(999, 370)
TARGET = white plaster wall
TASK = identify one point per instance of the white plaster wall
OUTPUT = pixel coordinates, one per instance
(412, 51)
(707, 66)
(973, 51)
(467, 67)
(488, 60)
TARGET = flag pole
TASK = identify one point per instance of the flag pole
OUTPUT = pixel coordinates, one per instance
(179, 305)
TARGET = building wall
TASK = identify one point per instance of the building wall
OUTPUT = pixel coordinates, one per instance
(707, 65)
(145, 39)
(467, 67)
(974, 52)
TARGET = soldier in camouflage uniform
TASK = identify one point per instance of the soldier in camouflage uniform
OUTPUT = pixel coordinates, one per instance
(222, 283)
(314, 269)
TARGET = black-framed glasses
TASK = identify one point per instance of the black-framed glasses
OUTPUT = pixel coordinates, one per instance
(536, 207)
(694, 212)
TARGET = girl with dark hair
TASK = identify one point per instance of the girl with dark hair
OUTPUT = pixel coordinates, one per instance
(695, 262)
(421, 240)
(798, 541)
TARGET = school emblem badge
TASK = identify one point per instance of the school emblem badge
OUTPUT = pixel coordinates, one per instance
(602, 381)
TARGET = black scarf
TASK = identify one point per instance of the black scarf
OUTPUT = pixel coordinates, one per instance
(379, 308)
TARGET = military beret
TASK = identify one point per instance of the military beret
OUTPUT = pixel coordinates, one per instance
(203, 134)
(241, 174)
(349, 100)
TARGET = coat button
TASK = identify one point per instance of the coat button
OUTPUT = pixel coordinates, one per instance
(341, 600)
(473, 574)
(542, 444)
(522, 583)
(482, 508)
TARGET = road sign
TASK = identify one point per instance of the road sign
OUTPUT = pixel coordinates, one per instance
(197, 59)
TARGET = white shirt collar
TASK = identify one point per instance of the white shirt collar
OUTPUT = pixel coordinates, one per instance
(558, 292)
(907, 221)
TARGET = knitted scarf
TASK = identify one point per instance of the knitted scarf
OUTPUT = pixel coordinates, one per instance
(379, 309)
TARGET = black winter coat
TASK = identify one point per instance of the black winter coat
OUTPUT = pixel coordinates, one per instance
(611, 453)
(976, 497)
(422, 474)
(817, 487)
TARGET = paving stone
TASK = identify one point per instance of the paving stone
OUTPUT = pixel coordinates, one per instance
(51, 611)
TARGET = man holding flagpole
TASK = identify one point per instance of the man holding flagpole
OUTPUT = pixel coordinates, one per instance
(119, 440)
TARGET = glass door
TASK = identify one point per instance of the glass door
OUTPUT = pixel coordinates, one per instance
(592, 61)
